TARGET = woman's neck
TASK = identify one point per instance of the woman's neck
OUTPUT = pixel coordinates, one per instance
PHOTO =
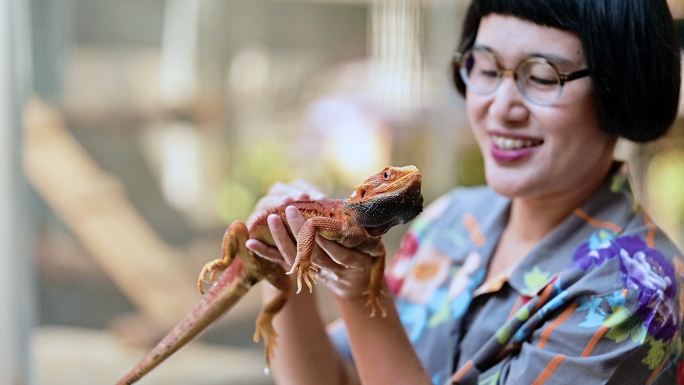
(532, 217)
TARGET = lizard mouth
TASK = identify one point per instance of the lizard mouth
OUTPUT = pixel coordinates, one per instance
(376, 231)
(377, 217)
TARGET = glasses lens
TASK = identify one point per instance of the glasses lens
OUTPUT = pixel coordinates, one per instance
(539, 81)
(480, 71)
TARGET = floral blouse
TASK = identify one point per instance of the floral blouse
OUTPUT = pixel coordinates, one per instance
(595, 302)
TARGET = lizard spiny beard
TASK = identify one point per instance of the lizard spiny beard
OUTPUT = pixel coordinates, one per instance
(379, 214)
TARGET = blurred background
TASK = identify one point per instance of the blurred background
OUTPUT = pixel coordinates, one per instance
(134, 131)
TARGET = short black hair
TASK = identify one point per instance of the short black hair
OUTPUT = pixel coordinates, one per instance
(632, 51)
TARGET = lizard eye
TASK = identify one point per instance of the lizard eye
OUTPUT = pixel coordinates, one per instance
(386, 175)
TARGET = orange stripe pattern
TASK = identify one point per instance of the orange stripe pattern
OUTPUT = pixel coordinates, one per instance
(544, 296)
(474, 230)
(652, 229)
(596, 222)
(591, 345)
(549, 370)
(556, 323)
(461, 372)
(594, 341)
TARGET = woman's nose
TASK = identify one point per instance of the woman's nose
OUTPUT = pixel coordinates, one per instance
(509, 104)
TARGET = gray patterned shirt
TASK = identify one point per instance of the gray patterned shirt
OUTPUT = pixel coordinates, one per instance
(597, 301)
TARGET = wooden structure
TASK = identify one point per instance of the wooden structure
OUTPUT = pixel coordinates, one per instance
(94, 206)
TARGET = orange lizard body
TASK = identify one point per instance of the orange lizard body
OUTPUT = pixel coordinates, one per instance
(384, 200)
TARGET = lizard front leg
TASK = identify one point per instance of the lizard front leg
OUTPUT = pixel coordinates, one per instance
(375, 248)
(264, 322)
(306, 240)
(229, 249)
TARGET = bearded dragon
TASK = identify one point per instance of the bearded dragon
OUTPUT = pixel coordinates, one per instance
(384, 200)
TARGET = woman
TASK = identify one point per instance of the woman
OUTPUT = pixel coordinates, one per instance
(549, 275)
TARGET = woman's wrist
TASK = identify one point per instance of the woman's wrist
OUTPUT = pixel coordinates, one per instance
(396, 346)
(304, 299)
(357, 301)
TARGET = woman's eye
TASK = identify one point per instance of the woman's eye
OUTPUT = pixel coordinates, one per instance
(489, 73)
(542, 81)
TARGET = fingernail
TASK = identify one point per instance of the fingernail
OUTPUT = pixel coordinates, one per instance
(291, 211)
(272, 221)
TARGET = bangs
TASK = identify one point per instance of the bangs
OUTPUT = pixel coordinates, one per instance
(560, 14)
(631, 48)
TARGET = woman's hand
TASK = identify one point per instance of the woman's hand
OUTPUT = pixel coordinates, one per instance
(345, 271)
(302, 334)
(301, 330)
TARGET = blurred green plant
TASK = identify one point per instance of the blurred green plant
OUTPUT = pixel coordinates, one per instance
(251, 170)
(665, 186)
(235, 201)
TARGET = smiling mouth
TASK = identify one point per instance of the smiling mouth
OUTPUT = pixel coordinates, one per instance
(507, 143)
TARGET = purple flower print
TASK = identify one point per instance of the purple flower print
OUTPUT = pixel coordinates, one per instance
(587, 257)
(648, 272)
(644, 270)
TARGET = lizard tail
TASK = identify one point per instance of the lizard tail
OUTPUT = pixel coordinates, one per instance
(231, 286)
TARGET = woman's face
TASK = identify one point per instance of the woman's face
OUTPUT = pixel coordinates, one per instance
(555, 148)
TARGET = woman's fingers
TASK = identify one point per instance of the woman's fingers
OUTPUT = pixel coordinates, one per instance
(333, 255)
(343, 256)
(296, 220)
(282, 239)
(344, 270)
(266, 252)
(285, 249)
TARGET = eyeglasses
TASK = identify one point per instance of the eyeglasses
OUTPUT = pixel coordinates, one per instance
(537, 79)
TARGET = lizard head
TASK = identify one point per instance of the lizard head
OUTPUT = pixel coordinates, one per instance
(386, 199)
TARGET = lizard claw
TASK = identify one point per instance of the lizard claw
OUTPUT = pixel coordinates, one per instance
(211, 269)
(306, 271)
(270, 339)
(374, 302)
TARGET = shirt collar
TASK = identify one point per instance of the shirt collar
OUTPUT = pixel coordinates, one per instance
(609, 209)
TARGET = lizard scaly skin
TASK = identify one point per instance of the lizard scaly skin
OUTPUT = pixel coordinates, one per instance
(384, 200)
